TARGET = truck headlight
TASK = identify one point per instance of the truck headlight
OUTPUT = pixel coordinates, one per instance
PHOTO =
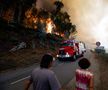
(67, 55)
(57, 55)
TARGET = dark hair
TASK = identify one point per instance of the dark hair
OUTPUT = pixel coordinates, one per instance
(46, 60)
(84, 63)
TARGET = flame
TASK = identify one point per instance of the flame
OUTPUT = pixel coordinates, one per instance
(49, 26)
(34, 19)
(57, 33)
(62, 35)
(28, 13)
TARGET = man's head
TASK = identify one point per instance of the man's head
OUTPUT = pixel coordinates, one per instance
(84, 63)
(46, 61)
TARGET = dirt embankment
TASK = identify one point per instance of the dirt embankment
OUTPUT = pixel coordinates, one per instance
(103, 67)
(99, 66)
(22, 58)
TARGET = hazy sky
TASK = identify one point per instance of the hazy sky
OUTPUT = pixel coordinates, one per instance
(91, 19)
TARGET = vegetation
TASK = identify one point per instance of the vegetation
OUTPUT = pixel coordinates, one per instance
(21, 21)
(24, 12)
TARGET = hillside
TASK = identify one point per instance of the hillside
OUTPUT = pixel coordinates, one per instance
(37, 44)
(22, 58)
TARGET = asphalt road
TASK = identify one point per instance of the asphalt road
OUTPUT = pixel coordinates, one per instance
(15, 80)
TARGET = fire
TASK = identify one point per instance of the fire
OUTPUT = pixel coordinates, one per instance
(28, 13)
(62, 35)
(49, 26)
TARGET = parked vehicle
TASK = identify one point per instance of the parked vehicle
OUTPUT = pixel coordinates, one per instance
(100, 49)
(70, 50)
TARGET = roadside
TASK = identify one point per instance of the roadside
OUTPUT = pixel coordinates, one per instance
(99, 66)
(100, 69)
(22, 58)
(103, 62)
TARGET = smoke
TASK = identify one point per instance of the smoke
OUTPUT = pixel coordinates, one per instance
(45, 4)
(91, 19)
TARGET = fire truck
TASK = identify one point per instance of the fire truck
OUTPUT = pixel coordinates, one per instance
(71, 50)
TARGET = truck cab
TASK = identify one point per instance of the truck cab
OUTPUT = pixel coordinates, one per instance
(70, 50)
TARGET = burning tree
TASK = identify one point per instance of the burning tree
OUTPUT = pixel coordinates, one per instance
(33, 24)
(56, 21)
(25, 12)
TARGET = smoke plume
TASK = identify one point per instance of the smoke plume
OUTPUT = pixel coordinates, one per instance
(91, 19)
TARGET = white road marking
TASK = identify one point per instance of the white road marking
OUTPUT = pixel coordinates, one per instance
(20, 80)
(28, 77)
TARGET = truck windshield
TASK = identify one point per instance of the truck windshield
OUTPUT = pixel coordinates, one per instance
(67, 44)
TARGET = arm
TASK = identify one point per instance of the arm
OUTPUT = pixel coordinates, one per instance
(91, 85)
(28, 83)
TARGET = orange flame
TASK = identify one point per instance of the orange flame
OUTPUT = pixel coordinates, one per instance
(49, 26)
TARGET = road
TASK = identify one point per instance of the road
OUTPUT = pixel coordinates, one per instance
(15, 80)
(95, 68)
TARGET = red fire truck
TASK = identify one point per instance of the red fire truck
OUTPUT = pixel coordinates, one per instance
(70, 50)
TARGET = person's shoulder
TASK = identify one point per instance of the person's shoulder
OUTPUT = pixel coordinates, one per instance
(90, 73)
(84, 72)
(35, 70)
(50, 71)
(78, 70)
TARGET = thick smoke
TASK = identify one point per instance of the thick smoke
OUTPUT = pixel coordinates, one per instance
(91, 19)
(45, 4)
